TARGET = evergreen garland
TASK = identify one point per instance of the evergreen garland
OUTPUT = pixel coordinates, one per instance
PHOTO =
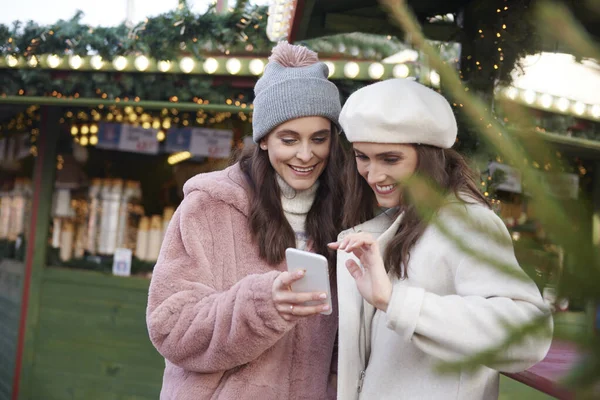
(168, 36)
(165, 36)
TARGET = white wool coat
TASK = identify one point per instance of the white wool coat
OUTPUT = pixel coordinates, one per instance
(451, 306)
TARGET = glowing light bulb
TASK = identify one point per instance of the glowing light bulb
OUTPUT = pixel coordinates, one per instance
(120, 63)
(187, 64)
(12, 61)
(563, 104)
(330, 67)
(164, 66)
(401, 71)
(351, 70)
(233, 66)
(96, 62)
(256, 67)
(529, 96)
(434, 78)
(141, 63)
(75, 62)
(53, 61)
(376, 70)
(546, 100)
(210, 65)
(579, 108)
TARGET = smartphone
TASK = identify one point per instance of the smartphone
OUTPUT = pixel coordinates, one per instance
(316, 278)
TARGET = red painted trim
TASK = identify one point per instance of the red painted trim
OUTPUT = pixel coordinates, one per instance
(547, 375)
(542, 384)
(29, 257)
(221, 7)
(298, 12)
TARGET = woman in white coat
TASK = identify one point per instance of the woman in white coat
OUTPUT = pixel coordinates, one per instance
(411, 296)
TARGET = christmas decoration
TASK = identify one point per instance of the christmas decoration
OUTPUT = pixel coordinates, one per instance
(497, 34)
(553, 105)
(239, 31)
(171, 57)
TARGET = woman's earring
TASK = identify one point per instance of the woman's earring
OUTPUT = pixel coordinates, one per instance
(263, 146)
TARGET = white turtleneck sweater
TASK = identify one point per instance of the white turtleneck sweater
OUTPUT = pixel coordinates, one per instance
(296, 205)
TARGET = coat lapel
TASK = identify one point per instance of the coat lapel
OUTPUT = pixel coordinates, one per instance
(350, 303)
(369, 310)
(384, 239)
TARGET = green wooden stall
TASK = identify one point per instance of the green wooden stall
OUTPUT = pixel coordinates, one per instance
(92, 342)
(91, 339)
(11, 279)
(71, 333)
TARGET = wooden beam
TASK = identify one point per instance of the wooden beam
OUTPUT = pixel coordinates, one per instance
(300, 23)
(444, 32)
(369, 12)
(585, 148)
(596, 205)
(222, 6)
(150, 105)
(592, 308)
(35, 256)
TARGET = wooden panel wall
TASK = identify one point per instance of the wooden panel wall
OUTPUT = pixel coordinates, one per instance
(92, 341)
(513, 390)
(11, 285)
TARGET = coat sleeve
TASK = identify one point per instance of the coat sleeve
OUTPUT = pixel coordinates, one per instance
(487, 305)
(191, 322)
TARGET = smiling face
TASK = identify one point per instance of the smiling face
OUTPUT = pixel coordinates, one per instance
(299, 149)
(385, 166)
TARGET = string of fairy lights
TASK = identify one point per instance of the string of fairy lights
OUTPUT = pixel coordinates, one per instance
(212, 66)
(84, 125)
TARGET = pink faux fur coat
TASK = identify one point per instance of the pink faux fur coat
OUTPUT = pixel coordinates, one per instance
(210, 312)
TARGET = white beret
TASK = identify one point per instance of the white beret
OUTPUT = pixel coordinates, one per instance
(399, 111)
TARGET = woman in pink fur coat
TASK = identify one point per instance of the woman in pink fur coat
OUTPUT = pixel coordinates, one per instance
(220, 309)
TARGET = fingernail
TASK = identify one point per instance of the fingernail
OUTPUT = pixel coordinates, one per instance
(326, 307)
(323, 296)
(301, 272)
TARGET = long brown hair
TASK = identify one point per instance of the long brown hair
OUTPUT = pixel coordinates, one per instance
(446, 168)
(270, 229)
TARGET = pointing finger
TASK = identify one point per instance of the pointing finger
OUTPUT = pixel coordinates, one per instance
(354, 269)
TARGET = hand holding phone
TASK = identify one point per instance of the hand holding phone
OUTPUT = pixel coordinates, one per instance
(316, 277)
(295, 292)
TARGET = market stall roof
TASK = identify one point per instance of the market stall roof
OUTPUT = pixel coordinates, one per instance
(316, 18)
(560, 75)
(585, 149)
(557, 83)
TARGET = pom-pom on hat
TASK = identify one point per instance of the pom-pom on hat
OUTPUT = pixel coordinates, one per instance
(399, 111)
(294, 85)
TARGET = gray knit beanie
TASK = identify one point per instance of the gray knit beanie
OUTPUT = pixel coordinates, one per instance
(294, 85)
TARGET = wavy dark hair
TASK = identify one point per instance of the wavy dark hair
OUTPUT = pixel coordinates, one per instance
(270, 229)
(446, 168)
